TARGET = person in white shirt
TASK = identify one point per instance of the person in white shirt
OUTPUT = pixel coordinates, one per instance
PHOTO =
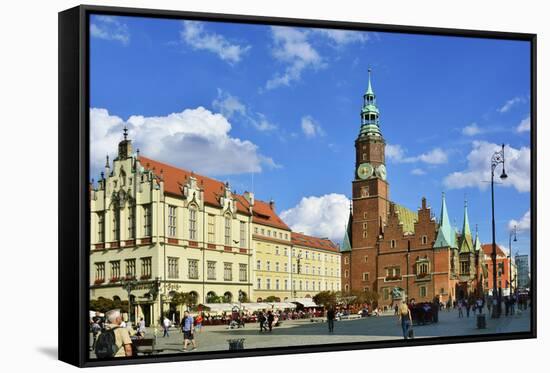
(165, 326)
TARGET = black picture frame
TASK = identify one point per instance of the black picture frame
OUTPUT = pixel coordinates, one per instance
(73, 179)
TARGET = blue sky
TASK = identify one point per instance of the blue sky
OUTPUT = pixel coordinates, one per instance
(276, 111)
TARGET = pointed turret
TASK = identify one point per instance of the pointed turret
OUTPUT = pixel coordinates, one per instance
(370, 125)
(477, 242)
(466, 244)
(445, 235)
(346, 243)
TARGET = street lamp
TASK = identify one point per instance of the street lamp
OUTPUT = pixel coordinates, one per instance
(513, 232)
(496, 159)
(129, 285)
(298, 268)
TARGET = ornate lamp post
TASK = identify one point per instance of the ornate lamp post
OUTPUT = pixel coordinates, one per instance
(129, 285)
(298, 268)
(496, 159)
(513, 232)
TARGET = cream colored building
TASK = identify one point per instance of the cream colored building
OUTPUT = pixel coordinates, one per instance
(157, 229)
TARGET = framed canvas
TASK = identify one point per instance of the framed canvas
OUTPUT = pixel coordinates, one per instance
(236, 186)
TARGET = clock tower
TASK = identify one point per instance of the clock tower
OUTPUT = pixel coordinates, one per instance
(369, 195)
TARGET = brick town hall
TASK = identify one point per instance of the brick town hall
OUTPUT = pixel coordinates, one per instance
(397, 252)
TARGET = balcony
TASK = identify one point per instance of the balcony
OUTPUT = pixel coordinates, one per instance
(392, 278)
(423, 277)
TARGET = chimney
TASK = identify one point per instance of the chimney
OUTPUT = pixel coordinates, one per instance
(423, 203)
(272, 204)
(249, 196)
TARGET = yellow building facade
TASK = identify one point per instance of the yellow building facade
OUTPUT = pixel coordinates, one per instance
(157, 230)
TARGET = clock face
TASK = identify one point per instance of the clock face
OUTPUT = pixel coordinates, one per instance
(381, 172)
(364, 171)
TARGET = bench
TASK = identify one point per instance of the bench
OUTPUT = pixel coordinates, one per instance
(350, 317)
(145, 346)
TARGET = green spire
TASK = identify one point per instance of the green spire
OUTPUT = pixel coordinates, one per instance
(370, 124)
(477, 242)
(466, 244)
(445, 235)
(346, 243)
(369, 89)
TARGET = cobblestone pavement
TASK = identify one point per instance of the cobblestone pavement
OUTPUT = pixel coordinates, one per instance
(305, 332)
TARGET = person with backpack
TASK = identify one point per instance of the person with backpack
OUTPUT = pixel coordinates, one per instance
(114, 341)
(406, 320)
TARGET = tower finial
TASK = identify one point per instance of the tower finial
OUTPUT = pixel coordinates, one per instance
(107, 161)
(125, 131)
(369, 88)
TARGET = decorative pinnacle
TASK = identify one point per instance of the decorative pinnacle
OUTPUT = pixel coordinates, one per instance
(125, 131)
(107, 161)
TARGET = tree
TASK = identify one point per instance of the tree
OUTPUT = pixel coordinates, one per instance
(325, 298)
(181, 298)
(271, 299)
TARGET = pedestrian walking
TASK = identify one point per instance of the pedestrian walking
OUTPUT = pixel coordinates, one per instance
(270, 319)
(406, 319)
(198, 323)
(141, 328)
(165, 326)
(330, 319)
(188, 329)
(460, 311)
(262, 321)
(468, 309)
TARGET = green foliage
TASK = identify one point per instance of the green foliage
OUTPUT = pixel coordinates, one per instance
(271, 299)
(103, 305)
(325, 298)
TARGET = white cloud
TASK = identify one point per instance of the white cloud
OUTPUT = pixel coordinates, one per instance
(311, 128)
(194, 139)
(509, 104)
(471, 130)
(434, 156)
(229, 106)
(194, 34)
(291, 46)
(418, 171)
(343, 37)
(109, 28)
(478, 172)
(396, 153)
(523, 224)
(524, 125)
(324, 216)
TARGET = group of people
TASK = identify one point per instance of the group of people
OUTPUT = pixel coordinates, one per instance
(469, 305)
(113, 337)
(266, 320)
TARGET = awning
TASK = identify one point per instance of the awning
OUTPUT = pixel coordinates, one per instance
(282, 305)
(306, 302)
(221, 307)
(256, 306)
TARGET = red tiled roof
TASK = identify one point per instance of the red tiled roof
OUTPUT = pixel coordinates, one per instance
(175, 178)
(315, 242)
(488, 249)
